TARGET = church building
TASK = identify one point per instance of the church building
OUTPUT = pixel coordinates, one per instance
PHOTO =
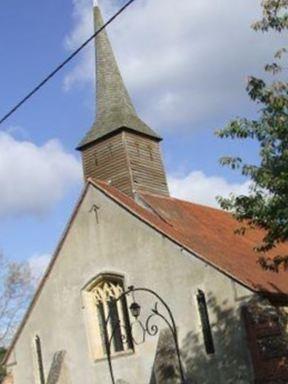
(129, 250)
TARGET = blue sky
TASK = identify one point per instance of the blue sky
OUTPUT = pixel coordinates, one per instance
(185, 65)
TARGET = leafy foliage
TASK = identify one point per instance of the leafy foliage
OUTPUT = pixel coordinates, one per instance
(266, 205)
(2, 368)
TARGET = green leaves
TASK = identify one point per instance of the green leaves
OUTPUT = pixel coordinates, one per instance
(232, 162)
(266, 206)
(2, 368)
(275, 16)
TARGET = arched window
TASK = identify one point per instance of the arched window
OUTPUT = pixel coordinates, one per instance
(99, 303)
(40, 376)
(205, 322)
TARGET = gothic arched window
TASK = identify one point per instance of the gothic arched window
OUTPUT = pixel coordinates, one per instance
(205, 322)
(38, 360)
(99, 303)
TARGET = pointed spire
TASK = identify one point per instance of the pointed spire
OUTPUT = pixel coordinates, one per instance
(114, 106)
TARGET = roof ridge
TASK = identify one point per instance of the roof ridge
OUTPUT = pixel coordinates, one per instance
(154, 210)
(183, 201)
(108, 190)
(184, 241)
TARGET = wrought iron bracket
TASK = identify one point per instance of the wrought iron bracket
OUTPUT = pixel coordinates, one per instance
(146, 326)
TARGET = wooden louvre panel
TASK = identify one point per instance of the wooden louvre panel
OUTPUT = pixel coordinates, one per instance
(128, 161)
(119, 147)
(146, 164)
(107, 160)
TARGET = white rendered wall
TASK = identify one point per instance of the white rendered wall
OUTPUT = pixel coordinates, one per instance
(122, 244)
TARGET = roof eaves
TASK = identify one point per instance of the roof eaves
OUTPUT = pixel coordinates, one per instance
(91, 138)
(163, 232)
(107, 191)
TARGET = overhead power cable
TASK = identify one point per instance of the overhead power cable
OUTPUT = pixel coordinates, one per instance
(60, 66)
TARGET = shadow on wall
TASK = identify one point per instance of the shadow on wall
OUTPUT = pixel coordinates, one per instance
(166, 366)
(230, 364)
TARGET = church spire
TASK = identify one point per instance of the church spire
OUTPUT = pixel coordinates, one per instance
(114, 108)
(120, 147)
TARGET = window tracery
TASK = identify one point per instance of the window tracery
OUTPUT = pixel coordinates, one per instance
(100, 302)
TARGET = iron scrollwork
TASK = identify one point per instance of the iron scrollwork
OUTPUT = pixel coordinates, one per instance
(148, 327)
(152, 329)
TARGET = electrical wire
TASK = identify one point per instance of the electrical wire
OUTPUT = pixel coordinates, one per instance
(60, 66)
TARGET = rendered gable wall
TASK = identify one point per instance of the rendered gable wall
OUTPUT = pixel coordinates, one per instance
(123, 244)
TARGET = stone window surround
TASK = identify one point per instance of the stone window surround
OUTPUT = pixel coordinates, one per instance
(35, 357)
(90, 296)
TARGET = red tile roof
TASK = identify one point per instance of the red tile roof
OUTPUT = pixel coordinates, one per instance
(208, 233)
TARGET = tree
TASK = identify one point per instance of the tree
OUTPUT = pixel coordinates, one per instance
(15, 291)
(266, 205)
(2, 368)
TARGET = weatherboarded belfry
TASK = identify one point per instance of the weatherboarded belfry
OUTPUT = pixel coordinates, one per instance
(120, 148)
(231, 316)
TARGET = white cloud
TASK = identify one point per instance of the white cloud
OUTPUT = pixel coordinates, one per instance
(33, 178)
(202, 189)
(38, 265)
(84, 71)
(185, 62)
